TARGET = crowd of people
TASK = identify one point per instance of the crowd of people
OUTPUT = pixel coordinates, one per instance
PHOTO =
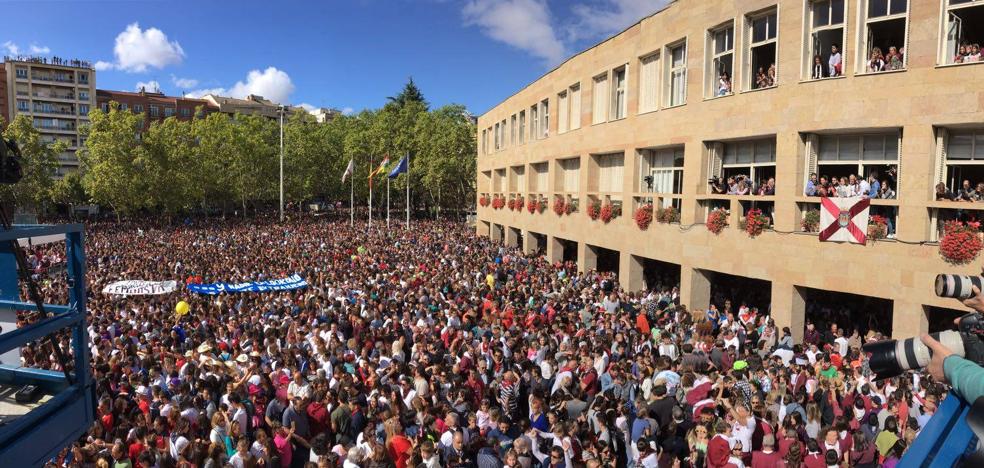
(966, 193)
(742, 185)
(850, 186)
(765, 78)
(434, 347)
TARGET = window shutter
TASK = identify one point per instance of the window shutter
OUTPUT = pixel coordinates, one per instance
(898, 170)
(715, 154)
(812, 143)
(575, 106)
(562, 113)
(942, 135)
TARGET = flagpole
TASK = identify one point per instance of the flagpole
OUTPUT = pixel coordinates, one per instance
(387, 201)
(408, 190)
(370, 191)
(352, 200)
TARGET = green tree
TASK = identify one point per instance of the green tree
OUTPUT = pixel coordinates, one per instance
(410, 94)
(69, 190)
(39, 163)
(445, 166)
(110, 174)
(168, 166)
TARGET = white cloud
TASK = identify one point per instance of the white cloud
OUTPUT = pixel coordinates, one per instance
(348, 111)
(137, 49)
(12, 48)
(524, 24)
(272, 84)
(184, 83)
(609, 17)
(36, 49)
(101, 65)
(149, 86)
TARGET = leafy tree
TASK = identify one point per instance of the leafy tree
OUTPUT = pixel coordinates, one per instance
(410, 94)
(111, 175)
(167, 161)
(69, 190)
(39, 163)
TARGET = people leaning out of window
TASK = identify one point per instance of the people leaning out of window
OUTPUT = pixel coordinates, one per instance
(893, 60)
(742, 185)
(833, 67)
(966, 192)
(850, 186)
(968, 53)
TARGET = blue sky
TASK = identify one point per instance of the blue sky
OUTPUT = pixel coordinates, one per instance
(347, 54)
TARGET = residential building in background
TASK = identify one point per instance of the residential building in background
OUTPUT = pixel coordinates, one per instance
(154, 105)
(56, 94)
(252, 104)
(4, 105)
(769, 91)
(324, 114)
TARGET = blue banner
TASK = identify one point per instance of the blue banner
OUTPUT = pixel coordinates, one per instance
(294, 282)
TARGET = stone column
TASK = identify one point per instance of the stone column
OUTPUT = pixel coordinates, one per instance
(789, 308)
(587, 257)
(630, 274)
(908, 320)
(512, 237)
(695, 288)
(555, 249)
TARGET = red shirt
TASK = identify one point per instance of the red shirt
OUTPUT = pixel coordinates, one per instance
(814, 461)
(399, 450)
(136, 449)
(718, 451)
(761, 459)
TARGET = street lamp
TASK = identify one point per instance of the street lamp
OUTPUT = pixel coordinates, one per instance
(280, 111)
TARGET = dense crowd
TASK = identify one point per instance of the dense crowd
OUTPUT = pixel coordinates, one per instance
(436, 348)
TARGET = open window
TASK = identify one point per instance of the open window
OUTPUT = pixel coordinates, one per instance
(619, 92)
(544, 118)
(751, 163)
(884, 36)
(824, 39)
(963, 34)
(860, 156)
(962, 157)
(662, 172)
(676, 74)
(762, 32)
(721, 57)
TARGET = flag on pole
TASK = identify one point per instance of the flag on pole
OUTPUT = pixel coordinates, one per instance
(844, 220)
(349, 170)
(400, 168)
(379, 170)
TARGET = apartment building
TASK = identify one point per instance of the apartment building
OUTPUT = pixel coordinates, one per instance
(763, 89)
(56, 94)
(154, 105)
(252, 104)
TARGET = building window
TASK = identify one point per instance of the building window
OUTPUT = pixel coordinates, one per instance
(964, 32)
(138, 108)
(562, 112)
(610, 172)
(83, 109)
(22, 106)
(522, 126)
(123, 106)
(762, 32)
(21, 72)
(570, 175)
(676, 75)
(485, 142)
(721, 55)
(105, 107)
(662, 171)
(185, 112)
(751, 161)
(884, 35)
(534, 123)
(847, 157)
(599, 99)
(495, 136)
(618, 93)
(574, 119)
(825, 35)
(168, 111)
(512, 130)
(963, 158)
(155, 111)
(84, 78)
(544, 118)
(649, 83)
(83, 95)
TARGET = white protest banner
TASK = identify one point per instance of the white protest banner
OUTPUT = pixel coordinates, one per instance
(140, 288)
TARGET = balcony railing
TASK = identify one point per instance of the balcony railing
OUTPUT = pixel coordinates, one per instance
(57, 79)
(54, 111)
(54, 127)
(53, 96)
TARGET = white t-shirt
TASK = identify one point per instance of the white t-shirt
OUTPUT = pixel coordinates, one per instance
(842, 345)
(743, 433)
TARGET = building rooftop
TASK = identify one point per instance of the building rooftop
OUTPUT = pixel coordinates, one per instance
(56, 61)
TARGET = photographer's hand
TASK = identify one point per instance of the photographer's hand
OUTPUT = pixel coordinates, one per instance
(976, 302)
(940, 353)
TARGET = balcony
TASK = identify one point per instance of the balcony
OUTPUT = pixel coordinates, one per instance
(53, 111)
(62, 128)
(66, 96)
(54, 79)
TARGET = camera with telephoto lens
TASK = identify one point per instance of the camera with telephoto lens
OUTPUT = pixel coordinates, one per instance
(958, 286)
(890, 358)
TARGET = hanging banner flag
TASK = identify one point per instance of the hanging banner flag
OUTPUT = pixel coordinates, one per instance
(140, 288)
(293, 282)
(844, 220)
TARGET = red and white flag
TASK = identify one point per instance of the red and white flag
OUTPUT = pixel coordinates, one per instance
(844, 220)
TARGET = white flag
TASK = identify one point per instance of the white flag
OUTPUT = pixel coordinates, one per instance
(348, 170)
(844, 220)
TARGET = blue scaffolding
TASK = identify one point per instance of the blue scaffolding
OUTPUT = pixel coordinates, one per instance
(68, 410)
